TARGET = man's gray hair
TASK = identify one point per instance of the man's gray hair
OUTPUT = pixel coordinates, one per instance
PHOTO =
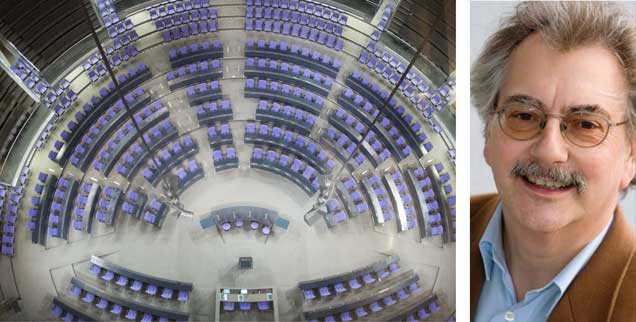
(564, 26)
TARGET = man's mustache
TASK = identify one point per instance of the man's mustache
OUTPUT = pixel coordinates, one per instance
(561, 176)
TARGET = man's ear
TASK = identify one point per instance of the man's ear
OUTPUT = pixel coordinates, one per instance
(487, 133)
(630, 166)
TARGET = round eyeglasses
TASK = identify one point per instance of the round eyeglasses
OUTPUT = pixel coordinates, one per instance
(581, 128)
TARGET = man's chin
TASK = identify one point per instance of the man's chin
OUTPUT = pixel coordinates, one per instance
(542, 215)
(548, 222)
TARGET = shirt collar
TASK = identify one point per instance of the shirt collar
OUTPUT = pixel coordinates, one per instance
(569, 272)
(491, 243)
(492, 253)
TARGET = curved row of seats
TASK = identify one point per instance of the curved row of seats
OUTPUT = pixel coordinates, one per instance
(367, 112)
(247, 304)
(166, 8)
(292, 117)
(167, 159)
(146, 119)
(416, 88)
(40, 209)
(117, 307)
(291, 94)
(293, 53)
(224, 157)
(219, 134)
(188, 173)
(380, 199)
(108, 105)
(429, 201)
(408, 126)
(358, 199)
(155, 212)
(343, 144)
(403, 199)
(180, 20)
(328, 38)
(195, 52)
(213, 111)
(134, 203)
(336, 212)
(68, 313)
(282, 71)
(207, 91)
(289, 166)
(139, 281)
(85, 205)
(311, 19)
(290, 142)
(60, 208)
(10, 198)
(108, 203)
(306, 7)
(384, 20)
(123, 35)
(381, 294)
(204, 70)
(160, 136)
(379, 291)
(106, 124)
(180, 17)
(29, 77)
(377, 147)
(349, 280)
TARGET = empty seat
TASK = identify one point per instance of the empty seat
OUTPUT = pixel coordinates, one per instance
(263, 306)
(167, 293)
(309, 294)
(136, 285)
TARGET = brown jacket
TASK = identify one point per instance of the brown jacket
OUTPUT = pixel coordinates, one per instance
(604, 290)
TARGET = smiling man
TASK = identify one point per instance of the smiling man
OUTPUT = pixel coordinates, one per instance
(556, 88)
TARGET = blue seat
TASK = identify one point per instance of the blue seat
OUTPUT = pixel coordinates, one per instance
(136, 286)
(167, 293)
(228, 306)
(263, 306)
(102, 304)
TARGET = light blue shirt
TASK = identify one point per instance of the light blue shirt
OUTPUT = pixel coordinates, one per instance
(497, 301)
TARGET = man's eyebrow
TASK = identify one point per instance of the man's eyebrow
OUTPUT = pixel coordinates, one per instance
(525, 100)
(536, 103)
(592, 108)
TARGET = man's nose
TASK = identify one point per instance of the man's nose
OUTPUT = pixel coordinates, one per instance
(550, 147)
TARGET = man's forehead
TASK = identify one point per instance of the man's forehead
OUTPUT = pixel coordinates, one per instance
(583, 76)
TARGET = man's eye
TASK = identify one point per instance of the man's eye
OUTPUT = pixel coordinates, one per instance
(524, 116)
(587, 125)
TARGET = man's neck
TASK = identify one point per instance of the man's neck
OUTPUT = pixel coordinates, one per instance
(535, 258)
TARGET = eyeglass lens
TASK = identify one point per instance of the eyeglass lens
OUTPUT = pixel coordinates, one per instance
(581, 128)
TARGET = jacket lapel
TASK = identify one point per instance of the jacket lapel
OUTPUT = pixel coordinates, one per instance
(481, 209)
(590, 296)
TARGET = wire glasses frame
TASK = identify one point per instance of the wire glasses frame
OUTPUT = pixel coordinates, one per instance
(582, 128)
